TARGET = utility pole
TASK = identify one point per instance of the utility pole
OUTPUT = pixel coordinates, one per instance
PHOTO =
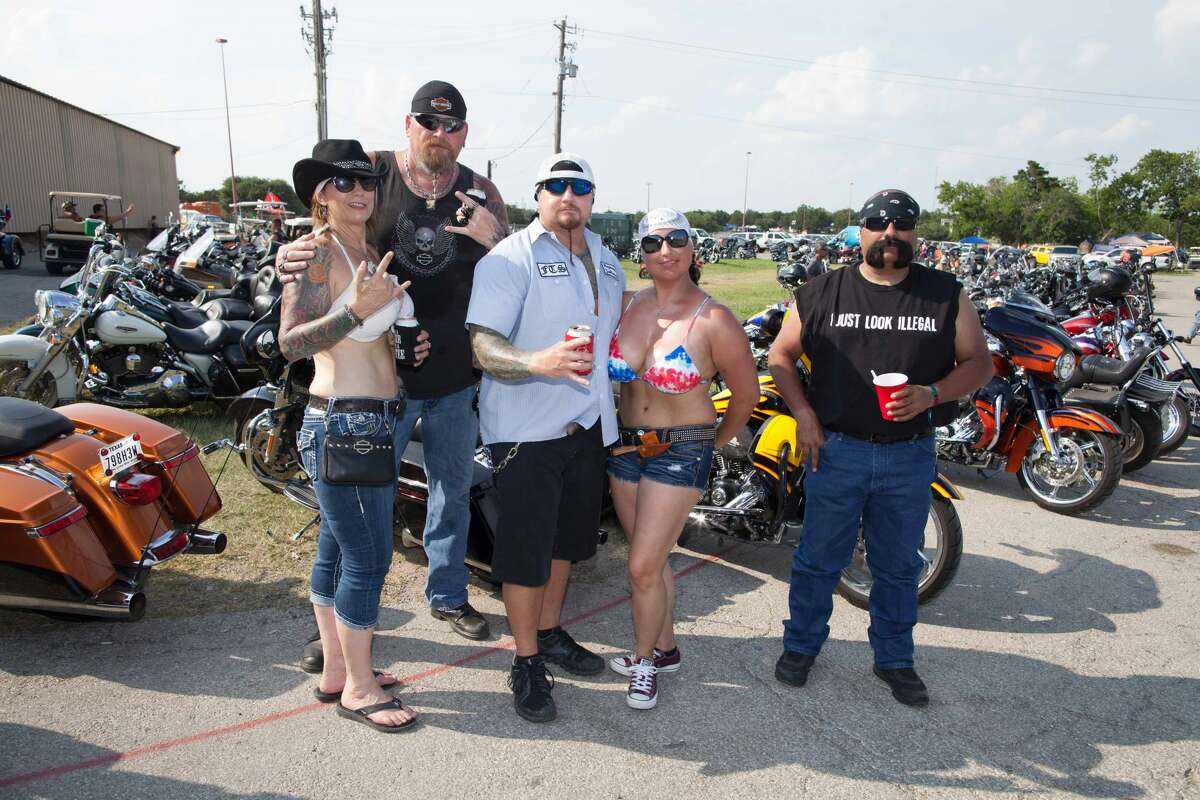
(850, 203)
(746, 190)
(318, 38)
(648, 185)
(566, 69)
(490, 162)
(228, 130)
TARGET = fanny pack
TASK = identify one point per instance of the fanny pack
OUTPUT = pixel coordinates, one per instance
(649, 443)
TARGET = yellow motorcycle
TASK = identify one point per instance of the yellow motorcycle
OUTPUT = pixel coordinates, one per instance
(756, 493)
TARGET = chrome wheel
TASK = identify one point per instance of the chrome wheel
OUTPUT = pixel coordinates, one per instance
(13, 373)
(1084, 473)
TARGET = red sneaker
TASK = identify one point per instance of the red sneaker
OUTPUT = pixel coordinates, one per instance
(663, 662)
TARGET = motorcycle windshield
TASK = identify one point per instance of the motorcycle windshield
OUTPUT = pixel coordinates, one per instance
(190, 258)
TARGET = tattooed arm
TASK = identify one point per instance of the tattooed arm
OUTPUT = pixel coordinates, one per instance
(488, 225)
(306, 325)
(500, 359)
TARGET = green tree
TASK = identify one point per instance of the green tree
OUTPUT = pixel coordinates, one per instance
(254, 188)
(934, 224)
(966, 203)
(186, 196)
(1169, 183)
(1101, 171)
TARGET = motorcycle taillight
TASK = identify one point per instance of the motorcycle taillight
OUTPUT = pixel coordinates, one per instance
(54, 526)
(180, 459)
(138, 488)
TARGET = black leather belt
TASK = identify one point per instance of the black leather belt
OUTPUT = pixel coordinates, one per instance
(885, 438)
(350, 405)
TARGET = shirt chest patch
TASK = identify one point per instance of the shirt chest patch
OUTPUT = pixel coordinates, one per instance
(554, 269)
(611, 270)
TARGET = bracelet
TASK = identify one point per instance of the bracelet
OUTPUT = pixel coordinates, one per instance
(933, 390)
(353, 317)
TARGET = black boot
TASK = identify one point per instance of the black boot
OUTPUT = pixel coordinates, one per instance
(557, 647)
(792, 668)
(907, 686)
(531, 684)
(312, 660)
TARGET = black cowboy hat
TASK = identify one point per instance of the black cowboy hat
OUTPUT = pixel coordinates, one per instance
(332, 158)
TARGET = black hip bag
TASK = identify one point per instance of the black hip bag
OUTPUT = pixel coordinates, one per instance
(359, 460)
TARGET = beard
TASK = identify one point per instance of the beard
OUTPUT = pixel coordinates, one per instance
(569, 221)
(904, 253)
(434, 158)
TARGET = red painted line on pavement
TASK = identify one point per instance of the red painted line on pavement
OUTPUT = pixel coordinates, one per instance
(170, 744)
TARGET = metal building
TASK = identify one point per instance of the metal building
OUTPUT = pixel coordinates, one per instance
(50, 145)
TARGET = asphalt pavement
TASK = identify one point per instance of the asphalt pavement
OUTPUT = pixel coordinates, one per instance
(18, 285)
(1062, 661)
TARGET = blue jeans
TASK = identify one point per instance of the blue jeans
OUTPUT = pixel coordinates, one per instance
(449, 432)
(354, 546)
(886, 486)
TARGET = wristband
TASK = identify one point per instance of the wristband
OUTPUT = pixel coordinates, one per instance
(353, 317)
(933, 391)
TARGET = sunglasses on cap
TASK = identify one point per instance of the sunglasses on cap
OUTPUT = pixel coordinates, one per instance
(677, 238)
(579, 187)
(430, 123)
(346, 185)
(877, 224)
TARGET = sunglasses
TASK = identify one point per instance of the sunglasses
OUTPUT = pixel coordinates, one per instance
(346, 185)
(677, 238)
(579, 187)
(430, 123)
(877, 224)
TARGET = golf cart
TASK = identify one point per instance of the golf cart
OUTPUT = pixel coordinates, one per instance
(64, 242)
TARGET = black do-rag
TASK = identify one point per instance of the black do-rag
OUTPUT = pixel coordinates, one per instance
(890, 203)
(439, 97)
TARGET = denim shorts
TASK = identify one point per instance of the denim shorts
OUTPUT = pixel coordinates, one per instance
(684, 464)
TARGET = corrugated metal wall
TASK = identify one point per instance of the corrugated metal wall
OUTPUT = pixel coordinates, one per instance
(50, 145)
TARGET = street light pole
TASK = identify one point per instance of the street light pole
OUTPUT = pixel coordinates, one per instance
(648, 185)
(228, 129)
(850, 203)
(746, 190)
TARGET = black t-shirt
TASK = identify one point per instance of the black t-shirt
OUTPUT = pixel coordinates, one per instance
(441, 266)
(852, 326)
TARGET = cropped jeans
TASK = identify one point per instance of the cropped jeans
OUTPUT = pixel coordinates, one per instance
(354, 546)
(886, 487)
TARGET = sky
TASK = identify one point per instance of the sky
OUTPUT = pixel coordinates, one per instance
(832, 101)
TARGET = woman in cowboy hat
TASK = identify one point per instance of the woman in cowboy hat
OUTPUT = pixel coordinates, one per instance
(340, 312)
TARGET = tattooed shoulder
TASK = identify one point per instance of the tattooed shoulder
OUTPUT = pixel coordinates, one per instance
(495, 203)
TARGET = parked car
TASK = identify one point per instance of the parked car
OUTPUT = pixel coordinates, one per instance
(1194, 258)
(770, 238)
(703, 237)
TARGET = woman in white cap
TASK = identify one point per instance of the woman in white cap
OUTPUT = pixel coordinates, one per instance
(672, 338)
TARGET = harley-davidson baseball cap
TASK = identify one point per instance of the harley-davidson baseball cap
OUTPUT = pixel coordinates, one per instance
(439, 97)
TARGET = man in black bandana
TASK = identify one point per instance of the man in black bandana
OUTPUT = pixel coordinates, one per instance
(438, 218)
(887, 314)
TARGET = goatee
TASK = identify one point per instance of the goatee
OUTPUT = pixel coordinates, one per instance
(433, 158)
(874, 254)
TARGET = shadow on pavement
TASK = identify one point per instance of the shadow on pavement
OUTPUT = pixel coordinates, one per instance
(1077, 593)
(25, 744)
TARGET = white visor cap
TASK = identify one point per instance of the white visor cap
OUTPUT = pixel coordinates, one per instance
(663, 218)
(547, 171)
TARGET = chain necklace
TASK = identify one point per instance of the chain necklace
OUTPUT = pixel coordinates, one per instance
(431, 198)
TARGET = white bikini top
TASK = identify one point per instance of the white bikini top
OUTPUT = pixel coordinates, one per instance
(382, 320)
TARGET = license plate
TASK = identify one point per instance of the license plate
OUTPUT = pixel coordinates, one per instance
(120, 455)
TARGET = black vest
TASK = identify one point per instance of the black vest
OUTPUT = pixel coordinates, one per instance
(441, 266)
(852, 326)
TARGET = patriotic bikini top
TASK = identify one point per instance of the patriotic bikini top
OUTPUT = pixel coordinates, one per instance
(674, 373)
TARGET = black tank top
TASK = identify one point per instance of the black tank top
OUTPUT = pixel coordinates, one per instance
(852, 326)
(441, 266)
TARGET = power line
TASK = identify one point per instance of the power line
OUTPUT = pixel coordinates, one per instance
(826, 65)
(206, 108)
(522, 145)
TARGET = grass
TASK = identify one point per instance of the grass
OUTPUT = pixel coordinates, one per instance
(745, 285)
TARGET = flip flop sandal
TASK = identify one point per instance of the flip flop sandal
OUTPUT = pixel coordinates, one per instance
(361, 715)
(333, 697)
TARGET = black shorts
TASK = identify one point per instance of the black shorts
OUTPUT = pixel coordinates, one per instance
(550, 497)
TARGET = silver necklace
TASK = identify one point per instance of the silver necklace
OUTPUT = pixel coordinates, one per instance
(431, 198)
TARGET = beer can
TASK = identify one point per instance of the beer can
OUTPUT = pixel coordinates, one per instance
(580, 332)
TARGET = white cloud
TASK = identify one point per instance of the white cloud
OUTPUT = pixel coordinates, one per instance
(1027, 128)
(1127, 127)
(1090, 53)
(1177, 24)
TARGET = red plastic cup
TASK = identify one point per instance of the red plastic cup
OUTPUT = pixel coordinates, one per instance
(886, 385)
(582, 333)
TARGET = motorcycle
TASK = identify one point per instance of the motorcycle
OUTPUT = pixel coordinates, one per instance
(91, 500)
(1067, 458)
(755, 492)
(100, 345)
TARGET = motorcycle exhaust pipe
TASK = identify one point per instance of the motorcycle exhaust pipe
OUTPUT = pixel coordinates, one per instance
(114, 603)
(207, 544)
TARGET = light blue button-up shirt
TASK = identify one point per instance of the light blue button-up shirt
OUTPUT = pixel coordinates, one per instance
(530, 289)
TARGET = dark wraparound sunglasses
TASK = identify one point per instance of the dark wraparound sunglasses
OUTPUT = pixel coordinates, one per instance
(677, 238)
(430, 123)
(877, 224)
(346, 185)
(579, 187)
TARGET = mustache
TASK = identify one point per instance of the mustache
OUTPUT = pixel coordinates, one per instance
(904, 253)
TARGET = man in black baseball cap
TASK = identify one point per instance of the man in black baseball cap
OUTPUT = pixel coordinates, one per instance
(438, 218)
(870, 459)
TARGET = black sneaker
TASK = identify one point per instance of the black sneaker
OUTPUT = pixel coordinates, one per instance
(531, 684)
(559, 648)
(464, 620)
(907, 686)
(792, 668)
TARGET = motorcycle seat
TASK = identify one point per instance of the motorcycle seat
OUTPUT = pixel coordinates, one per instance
(25, 424)
(1111, 371)
(207, 338)
(186, 315)
(228, 308)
